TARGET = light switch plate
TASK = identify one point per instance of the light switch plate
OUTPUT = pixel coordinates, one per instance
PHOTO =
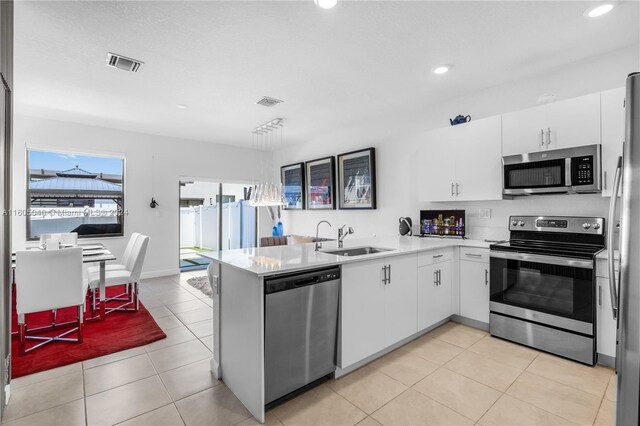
(484, 213)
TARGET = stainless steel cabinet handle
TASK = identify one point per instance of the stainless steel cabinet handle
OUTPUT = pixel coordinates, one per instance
(604, 179)
(610, 228)
(439, 277)
(389, 282)
(436, 256)
(473, 255)
(486, 277)
(385, 279)
(541, 137)
(435, 277)
(457, 189)
(549, 136)
(600, 295)
(452, 189)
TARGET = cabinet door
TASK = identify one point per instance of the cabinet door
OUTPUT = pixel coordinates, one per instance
(427, 287)
(612, 115)
(444, 290)
(478, 145)
(474, 290)
(435, 284)
(607, 326)
(436, 173)
(362, 311)
(522, 131)
(573, 122)
(401, 310)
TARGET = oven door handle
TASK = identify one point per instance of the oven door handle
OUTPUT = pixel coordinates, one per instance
(611, 261)
(539, 258)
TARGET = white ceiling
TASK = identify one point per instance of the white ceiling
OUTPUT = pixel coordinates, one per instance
(358, 64)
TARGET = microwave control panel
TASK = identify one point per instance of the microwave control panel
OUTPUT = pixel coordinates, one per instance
(582, 173)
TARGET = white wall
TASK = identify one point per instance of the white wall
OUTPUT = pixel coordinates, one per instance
(174, 158)
(397, 148)
(204, 190)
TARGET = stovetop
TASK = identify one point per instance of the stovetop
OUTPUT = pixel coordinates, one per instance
(549, 248)
(563, 236)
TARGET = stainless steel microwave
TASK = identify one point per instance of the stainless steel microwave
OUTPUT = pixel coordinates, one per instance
(569, 170)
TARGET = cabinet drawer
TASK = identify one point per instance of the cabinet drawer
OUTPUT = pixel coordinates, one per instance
(434, 256)
(474, 254)
(602, 268)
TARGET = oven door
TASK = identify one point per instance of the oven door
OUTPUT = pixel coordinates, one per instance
(550, 290)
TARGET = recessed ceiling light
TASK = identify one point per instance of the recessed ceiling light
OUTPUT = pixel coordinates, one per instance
(599, 10)
(181, 106)
(441, 69)
(325, 4)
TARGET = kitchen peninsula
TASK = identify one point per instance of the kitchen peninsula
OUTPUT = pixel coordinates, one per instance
(404, 288)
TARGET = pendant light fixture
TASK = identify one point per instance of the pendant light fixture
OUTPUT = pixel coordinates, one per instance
(266, 192)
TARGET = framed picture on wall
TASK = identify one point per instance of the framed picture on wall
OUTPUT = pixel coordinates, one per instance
(321, 189)
(357, 180)
(293, 187)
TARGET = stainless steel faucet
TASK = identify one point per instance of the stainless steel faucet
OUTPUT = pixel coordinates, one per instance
(318, 243)
(342, 234)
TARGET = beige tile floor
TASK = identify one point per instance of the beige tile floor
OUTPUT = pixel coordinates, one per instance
(455, 375)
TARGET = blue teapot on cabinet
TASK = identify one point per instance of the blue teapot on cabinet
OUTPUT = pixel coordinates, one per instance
(460, 119)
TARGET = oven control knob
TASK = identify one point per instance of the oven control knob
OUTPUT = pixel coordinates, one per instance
(521, 223)
(514, 223)
(596, 226)
(586, 225)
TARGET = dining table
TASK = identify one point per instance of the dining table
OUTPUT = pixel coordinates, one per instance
(91, 253)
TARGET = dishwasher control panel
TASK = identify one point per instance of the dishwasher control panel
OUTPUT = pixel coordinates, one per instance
(300, 279)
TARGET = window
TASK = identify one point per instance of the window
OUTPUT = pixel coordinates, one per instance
(69, 192)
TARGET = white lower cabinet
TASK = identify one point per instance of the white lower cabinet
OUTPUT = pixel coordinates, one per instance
(434, 293)
(378, 306)
(474, 287)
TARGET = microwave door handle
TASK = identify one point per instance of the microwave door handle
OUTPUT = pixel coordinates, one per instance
(567, 172)
(611, 261)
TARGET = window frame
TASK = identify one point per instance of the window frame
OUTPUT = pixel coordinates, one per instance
(119, 156)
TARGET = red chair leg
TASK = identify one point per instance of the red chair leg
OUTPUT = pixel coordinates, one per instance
(136, 300)
(22, 336)
(80, 323)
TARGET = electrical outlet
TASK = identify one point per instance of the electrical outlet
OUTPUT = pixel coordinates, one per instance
(484, 213)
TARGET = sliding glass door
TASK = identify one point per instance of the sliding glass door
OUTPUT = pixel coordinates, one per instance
(213, 216)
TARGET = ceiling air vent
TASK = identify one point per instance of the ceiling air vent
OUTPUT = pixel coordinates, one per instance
(122, 62)
(268, 102)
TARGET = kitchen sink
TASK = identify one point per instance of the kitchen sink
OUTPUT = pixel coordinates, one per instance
(356, 251)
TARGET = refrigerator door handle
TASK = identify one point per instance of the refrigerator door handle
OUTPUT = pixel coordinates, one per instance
(611, 261)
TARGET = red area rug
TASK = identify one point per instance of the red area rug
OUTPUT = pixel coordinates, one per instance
(119, 331)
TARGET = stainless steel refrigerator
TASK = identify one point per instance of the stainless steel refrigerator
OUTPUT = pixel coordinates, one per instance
(627, 284)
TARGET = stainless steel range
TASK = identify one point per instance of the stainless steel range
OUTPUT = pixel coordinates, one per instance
(543, 284)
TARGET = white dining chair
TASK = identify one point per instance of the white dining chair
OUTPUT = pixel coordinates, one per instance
(47, 280)
(125, 257)
(128, 277)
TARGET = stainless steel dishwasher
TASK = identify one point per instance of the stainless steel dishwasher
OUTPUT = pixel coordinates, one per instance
(301, 325)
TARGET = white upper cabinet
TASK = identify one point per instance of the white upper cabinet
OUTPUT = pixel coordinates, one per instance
(563, 124)
(463, 162)
(478, 162)
(437, 172)
(612, 103)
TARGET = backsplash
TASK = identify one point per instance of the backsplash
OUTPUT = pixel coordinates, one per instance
(384, 220)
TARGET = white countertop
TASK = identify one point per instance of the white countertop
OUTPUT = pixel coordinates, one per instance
(288, 258)
(604, 254)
